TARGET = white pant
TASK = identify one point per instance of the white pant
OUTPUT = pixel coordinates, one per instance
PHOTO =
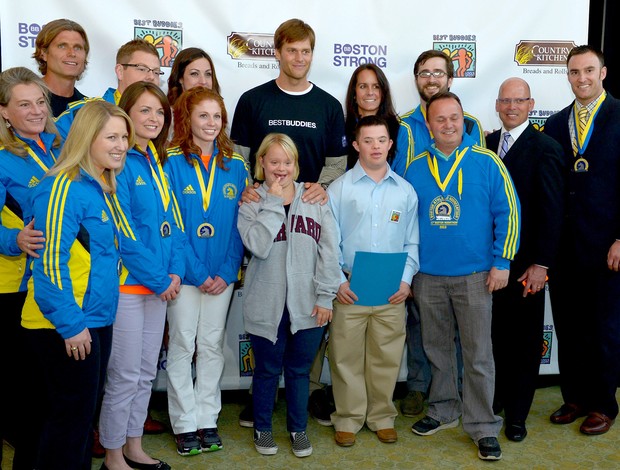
(136, 343)
(196, 323)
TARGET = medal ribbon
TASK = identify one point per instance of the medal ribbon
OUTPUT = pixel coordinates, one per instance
(205, 191)
(583, 138)
(434, 169)
(112, 212)
(36, 158)
(159, 177)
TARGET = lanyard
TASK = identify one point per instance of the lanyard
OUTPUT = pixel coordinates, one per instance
(206, 191)
(434, 169)
(584, 139)
(112, 211)
(159, 177)
(36, 158)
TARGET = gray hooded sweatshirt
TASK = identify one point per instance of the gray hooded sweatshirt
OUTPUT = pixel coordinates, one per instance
(294, 262)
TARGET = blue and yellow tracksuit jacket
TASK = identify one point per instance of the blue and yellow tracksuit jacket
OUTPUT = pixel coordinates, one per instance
(420, 138)
(75, 280)
(472, 223)
(18, 178)
(152, 239)
(221, 253)
(66, 118)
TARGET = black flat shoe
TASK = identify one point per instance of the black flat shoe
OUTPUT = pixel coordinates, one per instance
(161, 465)
(515, 431)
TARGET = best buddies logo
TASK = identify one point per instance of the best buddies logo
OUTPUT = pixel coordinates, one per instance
(461, 48)
(166, 36)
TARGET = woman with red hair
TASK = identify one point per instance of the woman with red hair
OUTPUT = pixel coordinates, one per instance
(208, 179)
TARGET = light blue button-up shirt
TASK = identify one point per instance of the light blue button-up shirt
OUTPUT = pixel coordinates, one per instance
(376, 217)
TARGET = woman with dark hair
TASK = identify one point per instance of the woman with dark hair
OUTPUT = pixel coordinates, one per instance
(192, 67)
(202, 159)
(369, 94)
(151, 234)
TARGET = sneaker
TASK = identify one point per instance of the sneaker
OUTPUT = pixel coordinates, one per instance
(301, 444)
(264, 443)
(188, 443)
(246, 417)
(209, 439)
(321, 406)
(489, 449)
(427, 426)
(412, 404)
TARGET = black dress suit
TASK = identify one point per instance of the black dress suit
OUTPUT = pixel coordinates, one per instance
(536, 166)
(585, 294)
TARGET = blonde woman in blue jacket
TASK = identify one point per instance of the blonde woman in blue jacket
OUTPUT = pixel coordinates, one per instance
(151, 238)
(290, 283)
(29, 146)
(75, 283)
(208, 179)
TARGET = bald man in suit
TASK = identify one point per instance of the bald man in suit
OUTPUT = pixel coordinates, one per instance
(534, 161)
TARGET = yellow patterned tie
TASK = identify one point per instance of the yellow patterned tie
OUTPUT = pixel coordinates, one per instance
(582, 119)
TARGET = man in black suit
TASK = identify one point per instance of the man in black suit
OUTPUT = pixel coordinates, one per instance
(585, 286)
(535, 163)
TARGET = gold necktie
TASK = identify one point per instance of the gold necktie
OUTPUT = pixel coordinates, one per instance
(582, 120)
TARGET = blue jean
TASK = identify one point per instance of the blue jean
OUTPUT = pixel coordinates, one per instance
(294, 353)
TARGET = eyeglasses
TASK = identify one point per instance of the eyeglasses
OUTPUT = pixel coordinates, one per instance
(513, 100)
(144, 69)
(428, 73)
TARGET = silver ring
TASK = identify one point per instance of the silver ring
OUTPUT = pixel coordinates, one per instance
(28, 246)
(73, 348)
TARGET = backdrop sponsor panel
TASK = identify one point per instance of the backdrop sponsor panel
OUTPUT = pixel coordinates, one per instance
(487, 43)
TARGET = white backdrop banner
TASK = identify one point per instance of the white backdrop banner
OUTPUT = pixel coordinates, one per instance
(488, 40)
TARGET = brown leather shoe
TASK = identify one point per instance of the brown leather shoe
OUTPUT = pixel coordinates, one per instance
(567, 413)
(596, 423)
(98, 450)
(387, 436)
(344, 439)
(152, 426)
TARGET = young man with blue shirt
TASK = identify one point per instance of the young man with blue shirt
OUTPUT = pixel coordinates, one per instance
(376, 211)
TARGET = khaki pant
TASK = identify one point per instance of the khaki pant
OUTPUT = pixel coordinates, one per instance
(365, 351)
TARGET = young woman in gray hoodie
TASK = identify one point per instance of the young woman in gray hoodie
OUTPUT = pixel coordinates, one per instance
(290, 283)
